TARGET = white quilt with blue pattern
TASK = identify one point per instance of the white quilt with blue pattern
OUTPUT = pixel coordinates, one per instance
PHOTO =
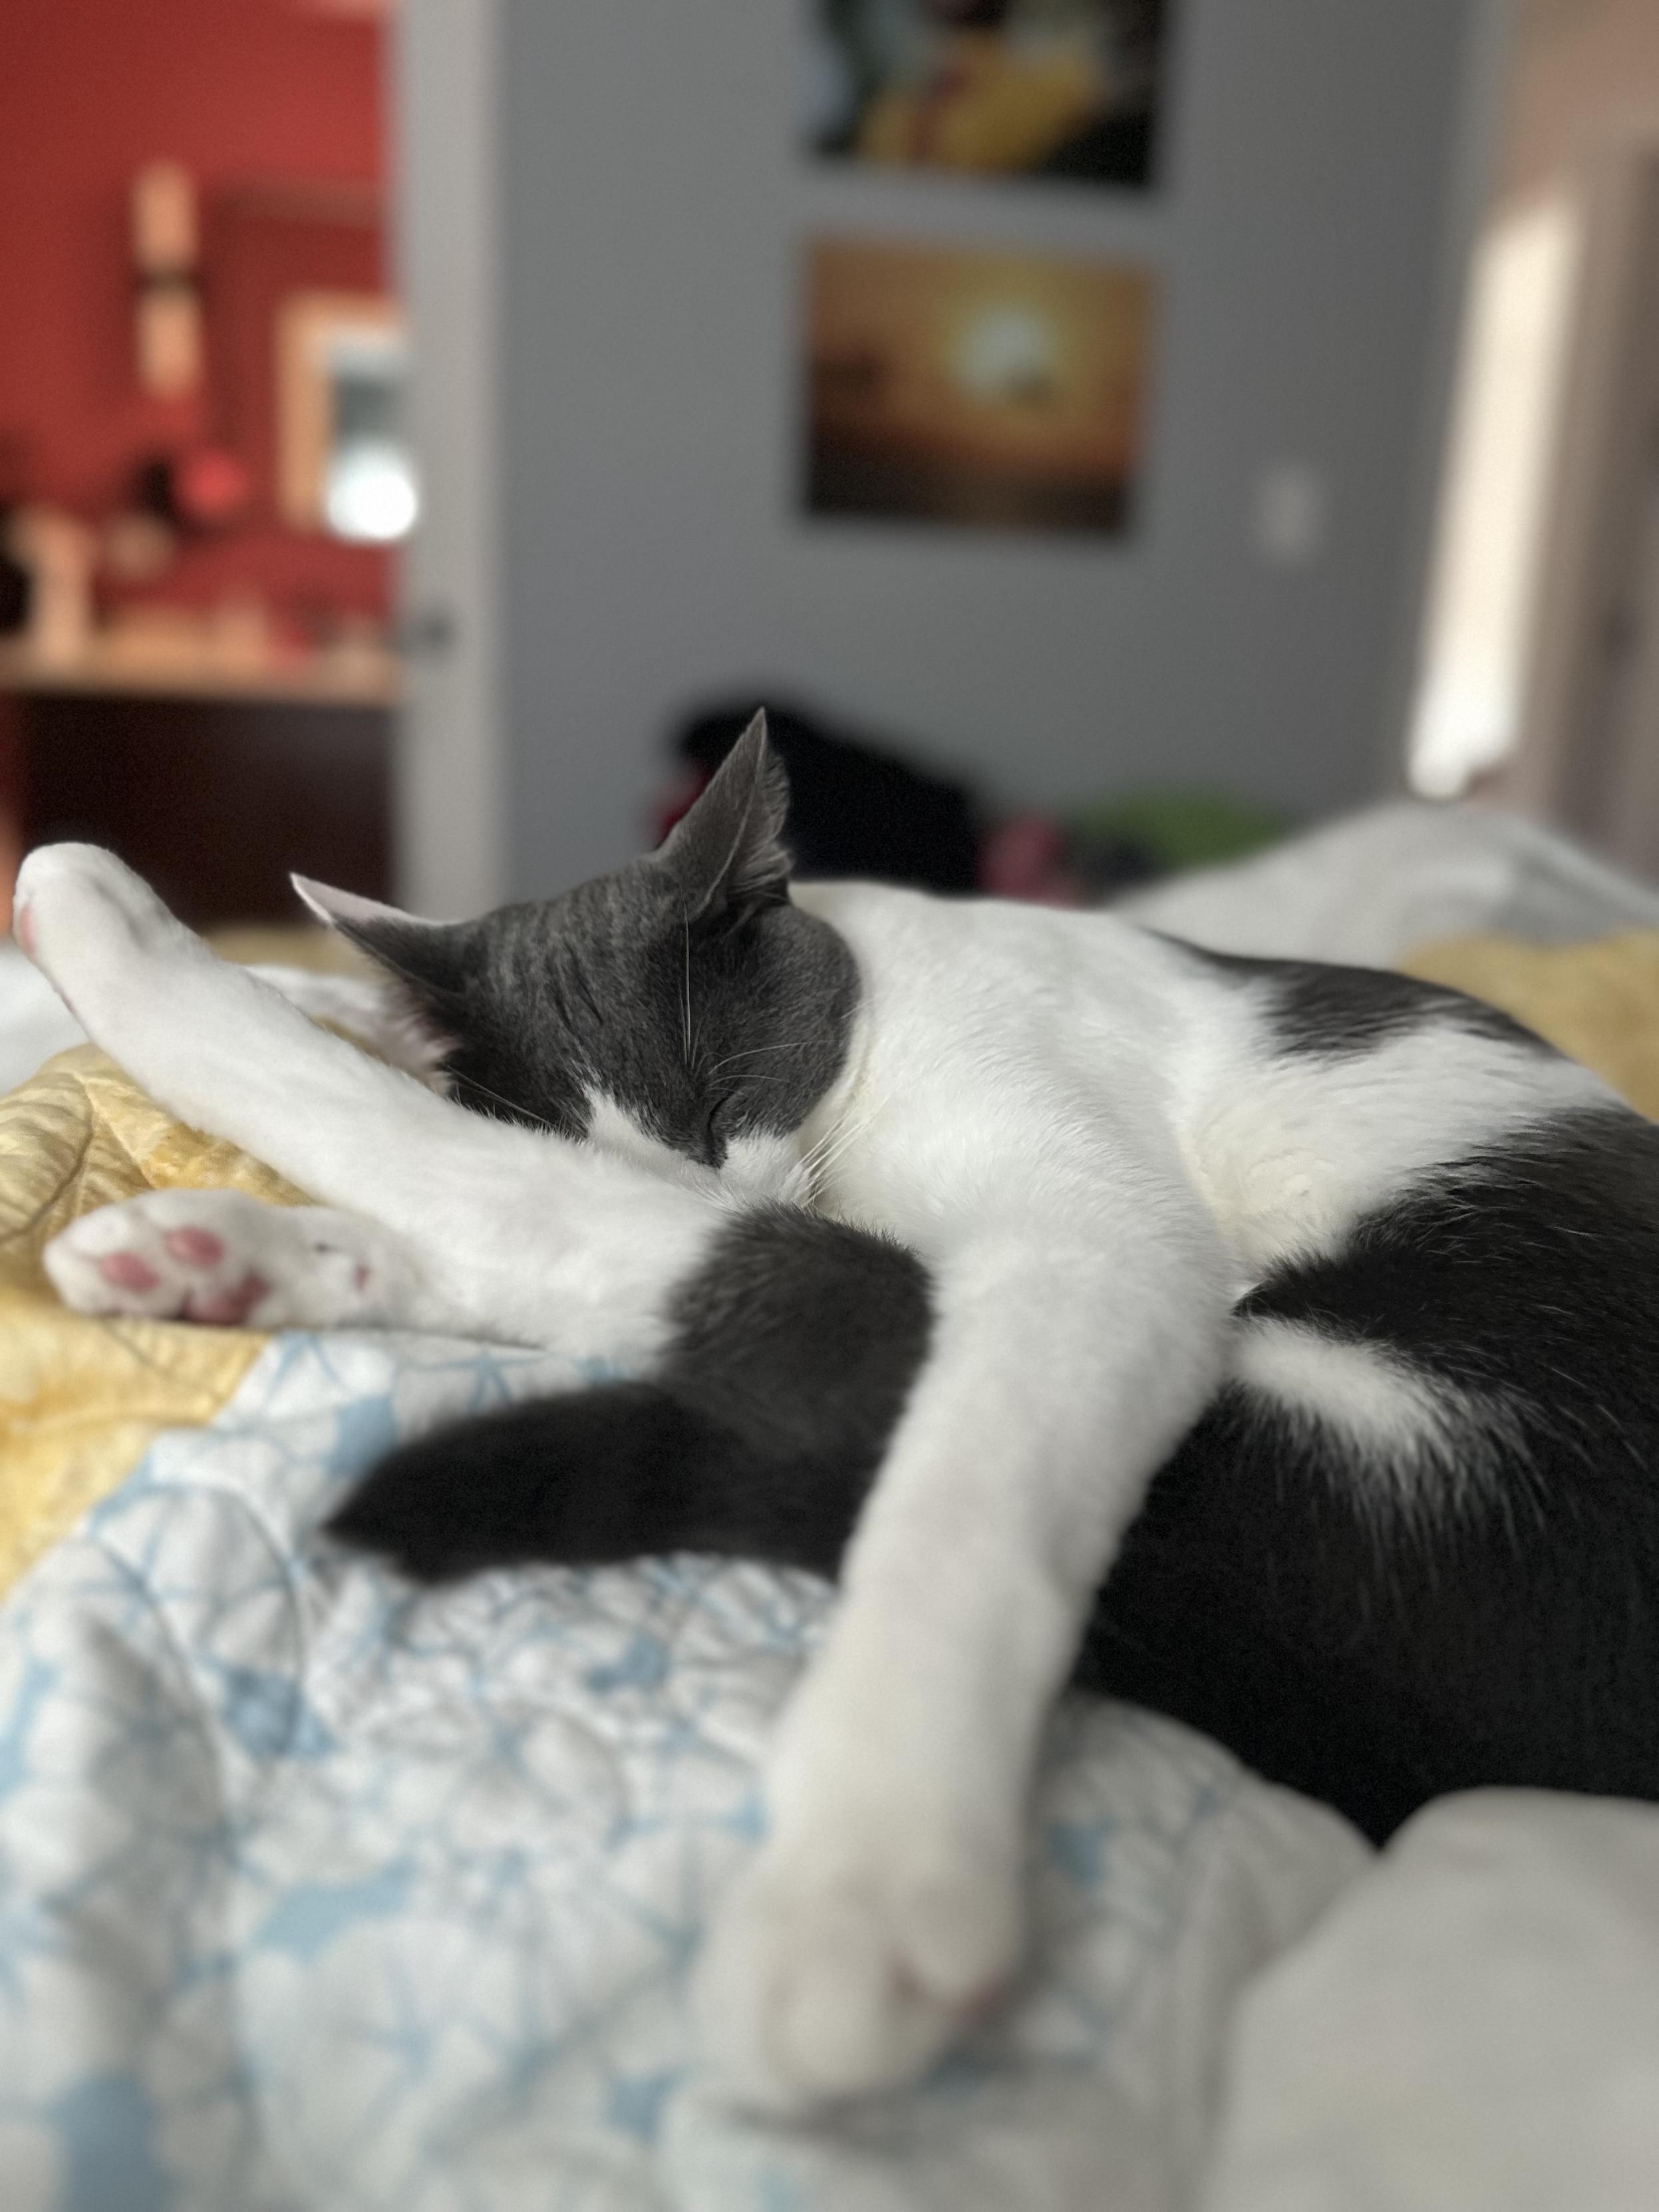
(319, 1894)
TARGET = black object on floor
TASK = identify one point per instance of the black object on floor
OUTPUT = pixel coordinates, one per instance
(855, 808)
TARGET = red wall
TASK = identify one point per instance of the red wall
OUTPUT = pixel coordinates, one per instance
(238, 90)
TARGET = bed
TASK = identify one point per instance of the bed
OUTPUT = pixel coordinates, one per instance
(319, 1891)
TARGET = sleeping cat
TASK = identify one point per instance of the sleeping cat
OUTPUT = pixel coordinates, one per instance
(1269, 1343)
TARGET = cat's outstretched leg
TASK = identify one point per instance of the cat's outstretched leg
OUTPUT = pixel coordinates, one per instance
(1072, 1346)
(523, 1236)
(222, 1258)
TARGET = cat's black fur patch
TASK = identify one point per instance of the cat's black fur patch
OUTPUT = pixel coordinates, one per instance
(684, 985)
(1508, 1632)
(796, 1345)
(1351, 1647)
(1331, 1012)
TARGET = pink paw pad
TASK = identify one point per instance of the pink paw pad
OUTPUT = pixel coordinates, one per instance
(23, 928)
(196, 1247)
(125, 1271)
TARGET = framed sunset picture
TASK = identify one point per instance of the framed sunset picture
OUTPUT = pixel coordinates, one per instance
(987, 390)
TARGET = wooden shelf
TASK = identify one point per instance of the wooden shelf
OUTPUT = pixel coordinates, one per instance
(362, 677)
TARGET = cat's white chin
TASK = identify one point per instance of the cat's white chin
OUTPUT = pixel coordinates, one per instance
(759, 1167)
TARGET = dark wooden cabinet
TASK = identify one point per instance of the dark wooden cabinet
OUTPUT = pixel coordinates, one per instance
(213, 800)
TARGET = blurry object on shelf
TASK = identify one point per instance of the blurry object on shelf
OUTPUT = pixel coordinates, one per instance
(343, 462)
(199, 490)
(356, 651)
(153, 638)
(165, 247)
(210, 487)
(233, 640)
(60, 551)
(371, 498)
(15, 584)
(136, 547)
(855, 807)
(990, 390)
(14, 573)
(239, 635)
(1065, 88)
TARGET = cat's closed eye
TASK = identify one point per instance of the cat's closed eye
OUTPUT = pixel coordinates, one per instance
(719, 1114)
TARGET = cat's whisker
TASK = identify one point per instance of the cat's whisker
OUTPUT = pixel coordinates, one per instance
(834, 1153)
(832, 1148)
(515, 1113)
(685, 1011)
(753, 1052)
(835, 1140)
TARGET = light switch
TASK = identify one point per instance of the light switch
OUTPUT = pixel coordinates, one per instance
(1289, 512)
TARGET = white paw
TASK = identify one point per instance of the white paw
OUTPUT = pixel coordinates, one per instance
(81, 915)
(217, 1257)
(847, 1960)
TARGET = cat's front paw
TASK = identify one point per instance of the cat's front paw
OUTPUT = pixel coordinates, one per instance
(83, 917)
(847, 1960)
(220, 1258)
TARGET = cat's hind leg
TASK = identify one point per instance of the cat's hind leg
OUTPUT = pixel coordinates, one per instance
(224, 1259)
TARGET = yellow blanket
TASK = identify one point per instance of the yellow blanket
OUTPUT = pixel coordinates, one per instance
(1598, 1003)
(81, 1400)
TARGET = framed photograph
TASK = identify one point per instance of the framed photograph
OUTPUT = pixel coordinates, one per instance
(343, 463)
(987, 390)
(994, 88)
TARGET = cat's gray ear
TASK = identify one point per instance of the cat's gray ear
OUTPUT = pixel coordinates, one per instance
(425, 956)
(345, 910)
(728, 850)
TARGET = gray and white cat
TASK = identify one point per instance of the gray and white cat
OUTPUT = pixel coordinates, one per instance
(1270, 1343)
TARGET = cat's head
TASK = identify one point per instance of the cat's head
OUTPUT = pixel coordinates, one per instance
(679, 1002)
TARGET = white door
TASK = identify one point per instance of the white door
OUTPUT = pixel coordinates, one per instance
(451, 794)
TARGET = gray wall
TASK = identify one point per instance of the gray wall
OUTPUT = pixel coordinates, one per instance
(653, 204)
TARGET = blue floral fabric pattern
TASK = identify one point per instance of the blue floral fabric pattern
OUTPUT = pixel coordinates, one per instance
(319, 1894)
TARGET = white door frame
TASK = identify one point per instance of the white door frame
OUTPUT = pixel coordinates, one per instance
(450, 797)
(1579, 762)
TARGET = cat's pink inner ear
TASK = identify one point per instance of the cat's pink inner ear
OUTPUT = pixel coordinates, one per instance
(335, 906)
